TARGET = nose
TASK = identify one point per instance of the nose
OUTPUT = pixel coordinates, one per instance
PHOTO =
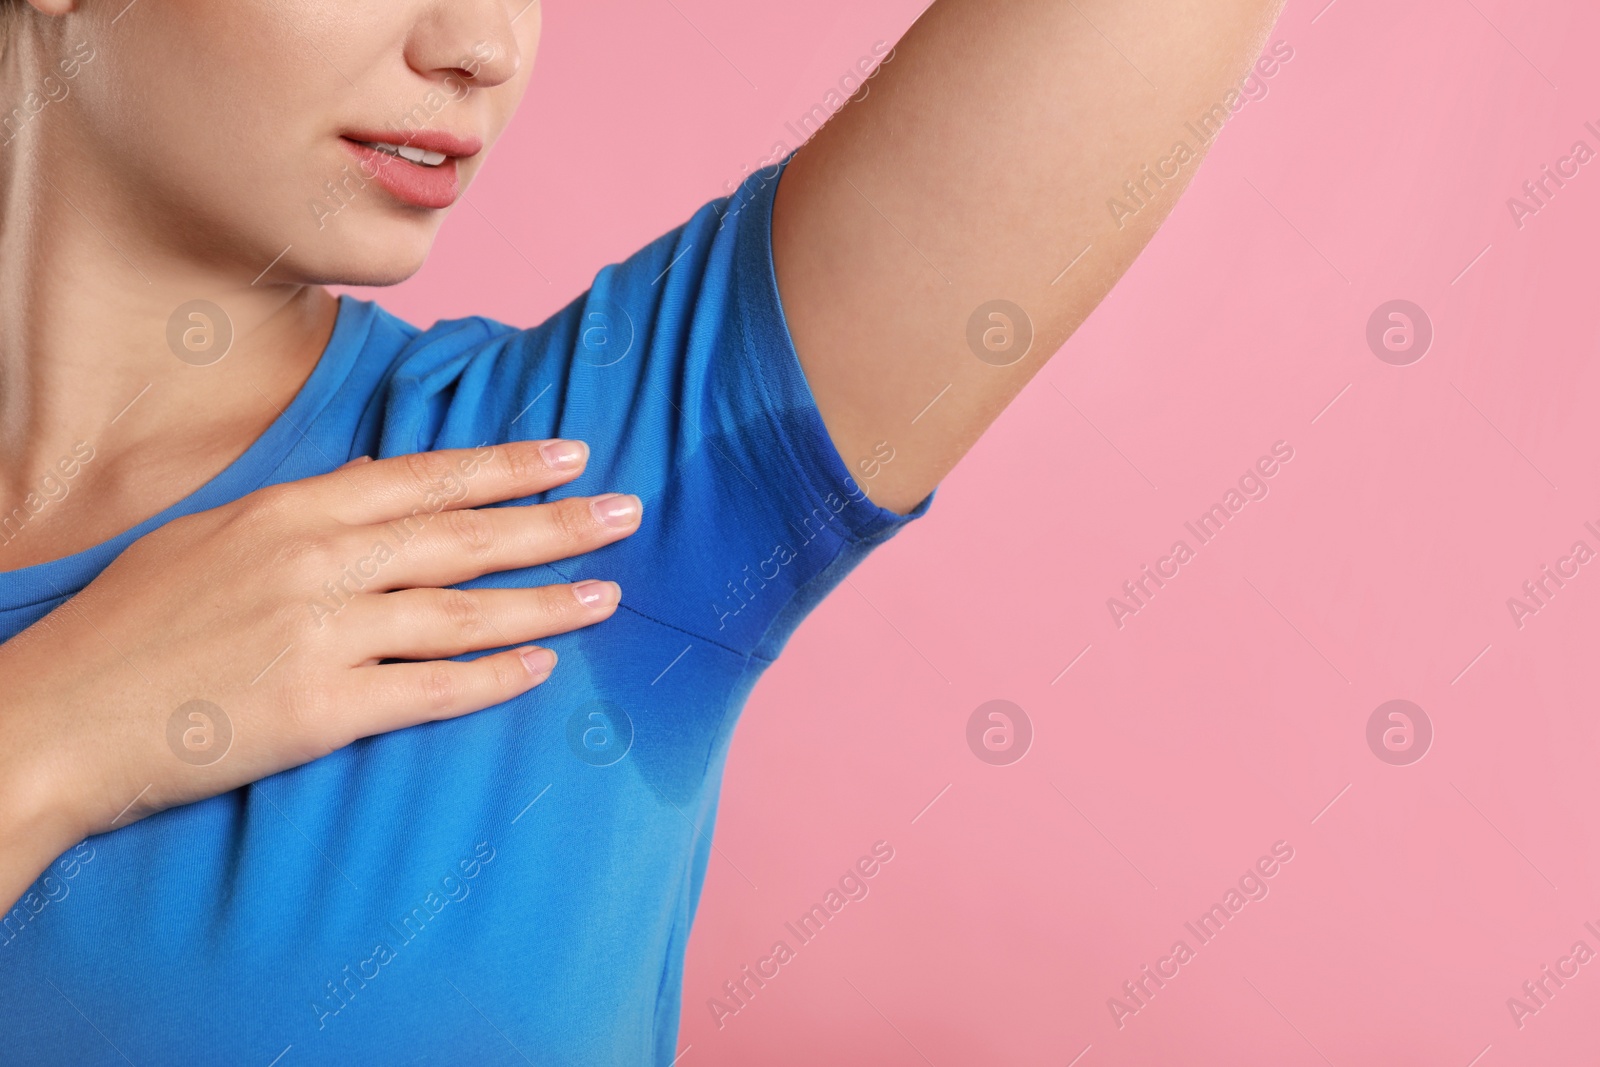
(474, 40)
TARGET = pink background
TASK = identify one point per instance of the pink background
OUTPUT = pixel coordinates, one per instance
(1228, 714)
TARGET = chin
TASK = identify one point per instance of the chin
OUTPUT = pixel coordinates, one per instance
(370, 258)
(373, 274)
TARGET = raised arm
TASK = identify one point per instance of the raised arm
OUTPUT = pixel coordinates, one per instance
(987, 163)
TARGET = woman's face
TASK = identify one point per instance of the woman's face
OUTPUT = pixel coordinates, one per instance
(229, 131)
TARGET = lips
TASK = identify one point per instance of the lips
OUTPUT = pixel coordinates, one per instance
(416, 167)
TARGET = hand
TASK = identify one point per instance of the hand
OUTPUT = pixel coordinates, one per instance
(276, 612)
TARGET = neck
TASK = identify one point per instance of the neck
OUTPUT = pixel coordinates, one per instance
(89, 294)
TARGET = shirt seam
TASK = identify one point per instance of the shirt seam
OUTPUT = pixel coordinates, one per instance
(742, 654)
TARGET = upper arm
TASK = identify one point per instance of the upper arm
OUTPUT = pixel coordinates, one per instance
(976, 168)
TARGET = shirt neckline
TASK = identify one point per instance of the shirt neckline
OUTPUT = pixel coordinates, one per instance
(59, 578)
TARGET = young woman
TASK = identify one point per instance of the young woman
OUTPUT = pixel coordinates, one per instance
(264, 550)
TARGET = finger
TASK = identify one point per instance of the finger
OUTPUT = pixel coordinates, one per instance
(424, 624)
(454, 546)
(392, 696)
(430, 482)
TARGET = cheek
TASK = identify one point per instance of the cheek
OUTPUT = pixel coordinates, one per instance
(202, 100)
(223, 118)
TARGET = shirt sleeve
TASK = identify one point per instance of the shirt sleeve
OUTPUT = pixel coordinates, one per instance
(678, 369)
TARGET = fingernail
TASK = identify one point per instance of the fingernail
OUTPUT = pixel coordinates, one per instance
(564, 455)
(591, 592)
(540, 661)
(617, 509)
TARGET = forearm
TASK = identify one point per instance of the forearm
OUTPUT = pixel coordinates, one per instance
(982, 165)
(37, 811)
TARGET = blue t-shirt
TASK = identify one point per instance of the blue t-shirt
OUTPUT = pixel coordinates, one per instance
(516, 885)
